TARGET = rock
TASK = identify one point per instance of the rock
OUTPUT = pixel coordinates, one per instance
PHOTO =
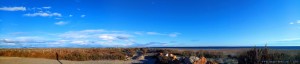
(186, 60)
(231, 61)
(219, 60)
(190, 59)
(202, 60)
(142, 57)
(193, 59)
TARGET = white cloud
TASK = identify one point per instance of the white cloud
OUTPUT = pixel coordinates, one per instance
(47, 7)
(71, 35)
(39, 8)
(23, 39)
(82, 34)
(112, 37)
(57, 18)
(70, 15)
(82, 16)
(284, 40)
(98, 36)
(13, 8)
(107, 37)
(291, 22)
(80, 42)
(93, 31)
(8, 41)
(296, 22)
(138, 33)
(61, 23)
(43, 14)
(174, 34)
(90, 37)
(170, 35)
(151, 44)
(154, 33)
(8, 44)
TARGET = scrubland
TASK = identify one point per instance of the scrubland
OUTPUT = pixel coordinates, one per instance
(233, 56)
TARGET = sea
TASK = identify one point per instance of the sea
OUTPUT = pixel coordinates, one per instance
(234, 47)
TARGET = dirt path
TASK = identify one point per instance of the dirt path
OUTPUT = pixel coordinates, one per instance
(19, 60)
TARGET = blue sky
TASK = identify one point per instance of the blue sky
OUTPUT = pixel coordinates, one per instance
(148, 23)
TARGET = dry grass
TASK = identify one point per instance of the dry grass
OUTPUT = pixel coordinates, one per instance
(76, 54)
(22, 60)
(83, 54)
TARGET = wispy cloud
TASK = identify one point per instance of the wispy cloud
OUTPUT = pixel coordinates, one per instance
(8, 44)
(13, 8)
(57, 18)
(296, 22)
(95, 37)
(43, 14)
(47, 7)
(155, 43)
(70, 15)
(175, 34)
(61, 23)
(8, 41)
(24, 39)
(111, 37)
(96, 34)
(82, 16)
(81, 34)
(107, 37)
(138, 33)
(154, 33)
(90, 37)
(99, 36)
(151, 44)
(285, 42)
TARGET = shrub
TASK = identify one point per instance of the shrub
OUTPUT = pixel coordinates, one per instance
(297, 57)
(263, 56)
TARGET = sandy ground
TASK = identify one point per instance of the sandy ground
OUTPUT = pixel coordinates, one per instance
(21, 60)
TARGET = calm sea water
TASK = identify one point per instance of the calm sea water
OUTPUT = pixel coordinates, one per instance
(236, 47)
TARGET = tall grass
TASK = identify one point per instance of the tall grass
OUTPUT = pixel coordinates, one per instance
(76, 54)
(266, 56)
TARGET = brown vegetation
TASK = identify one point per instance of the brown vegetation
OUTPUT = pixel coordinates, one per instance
(247, 56)
(264, 56)
(78, 54)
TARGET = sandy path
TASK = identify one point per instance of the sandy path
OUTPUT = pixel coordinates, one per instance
(19, 60)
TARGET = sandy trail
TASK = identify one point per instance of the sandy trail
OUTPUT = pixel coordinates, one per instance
(21, 60)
